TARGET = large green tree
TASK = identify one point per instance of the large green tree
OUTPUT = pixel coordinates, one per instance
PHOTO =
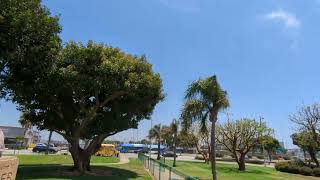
(91, 92)
(204, 100)
(240, 136)
(82, 92)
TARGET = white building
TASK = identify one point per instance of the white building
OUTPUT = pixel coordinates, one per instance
(14, 136)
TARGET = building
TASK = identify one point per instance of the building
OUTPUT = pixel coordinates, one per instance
(14, 136)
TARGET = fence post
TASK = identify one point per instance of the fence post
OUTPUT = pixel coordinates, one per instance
(169, 173)
(153, 169)
(160, 171)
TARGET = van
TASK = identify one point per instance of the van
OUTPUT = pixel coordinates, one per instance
(107, 150)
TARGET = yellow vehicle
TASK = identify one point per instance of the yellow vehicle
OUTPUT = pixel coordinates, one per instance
(108, 150)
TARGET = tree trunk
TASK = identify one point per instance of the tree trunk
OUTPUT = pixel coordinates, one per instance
(213, 149)
(158, 157)
(174, 149)
(49, 141)
(242, 163)
(81, 157)
(314, 157)
(270, 156)
(81, 160)
(204, 155)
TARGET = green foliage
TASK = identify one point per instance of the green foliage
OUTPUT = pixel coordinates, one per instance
(155, 132)
(30, 41)
(316, 172)
(296, 167)
(305, 140)
(203, 97)
(305, 171)
(270, 143)
(282, 166)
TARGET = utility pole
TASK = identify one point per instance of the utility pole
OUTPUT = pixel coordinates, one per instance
(264, 158)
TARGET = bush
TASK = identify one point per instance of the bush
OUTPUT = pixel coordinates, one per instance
(297, 162)
(286, 157)
(275, 157)
(293, 169)
(199, 157)
(219, 155)
(260, 156)
(305, 171)
(316, 172)
(282, 166)
(254, 161)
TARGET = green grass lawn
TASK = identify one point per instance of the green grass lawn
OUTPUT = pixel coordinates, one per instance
(59, 159)
(132, 170)
(230, 172)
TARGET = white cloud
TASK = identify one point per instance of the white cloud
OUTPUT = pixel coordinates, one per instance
(289, 20)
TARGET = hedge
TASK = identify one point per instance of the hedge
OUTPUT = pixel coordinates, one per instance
(296, 167)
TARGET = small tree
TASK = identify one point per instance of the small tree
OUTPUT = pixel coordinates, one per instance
(305, 140)
(240, 136)
(196, 136)
(307, 118)
(270, 145)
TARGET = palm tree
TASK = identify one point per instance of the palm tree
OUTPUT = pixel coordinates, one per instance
(25, 123)
(155, 133)
(174, 130)
(204, 99)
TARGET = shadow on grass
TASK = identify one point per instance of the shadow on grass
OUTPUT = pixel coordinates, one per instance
(227, 168)
(64, 172)
(235, 170)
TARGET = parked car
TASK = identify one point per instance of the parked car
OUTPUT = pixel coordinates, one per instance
(169, 154)
(41, 147)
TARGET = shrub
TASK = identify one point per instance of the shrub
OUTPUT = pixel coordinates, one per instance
(254, 161)
(282, 166)
(275, 157)
(219, 155)
(316, 172)
(305, 171)
(260, 156)
(199, 157)
(293, 169)
(286, 157)
(297, 162)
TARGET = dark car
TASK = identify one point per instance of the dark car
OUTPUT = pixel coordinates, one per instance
(169, 154)
(43, 148)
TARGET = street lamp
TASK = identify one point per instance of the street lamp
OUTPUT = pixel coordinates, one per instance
(264, 158)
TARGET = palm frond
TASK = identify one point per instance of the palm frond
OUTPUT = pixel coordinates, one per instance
(193, 110)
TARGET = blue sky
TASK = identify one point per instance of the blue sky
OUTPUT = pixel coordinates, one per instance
(265, 53)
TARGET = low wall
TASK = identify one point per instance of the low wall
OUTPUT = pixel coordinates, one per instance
(8, 168)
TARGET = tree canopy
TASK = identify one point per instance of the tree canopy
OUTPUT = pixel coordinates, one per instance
(29, 43)
(240, 136)
(270, 144)
(305, 140)
(204, 100)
